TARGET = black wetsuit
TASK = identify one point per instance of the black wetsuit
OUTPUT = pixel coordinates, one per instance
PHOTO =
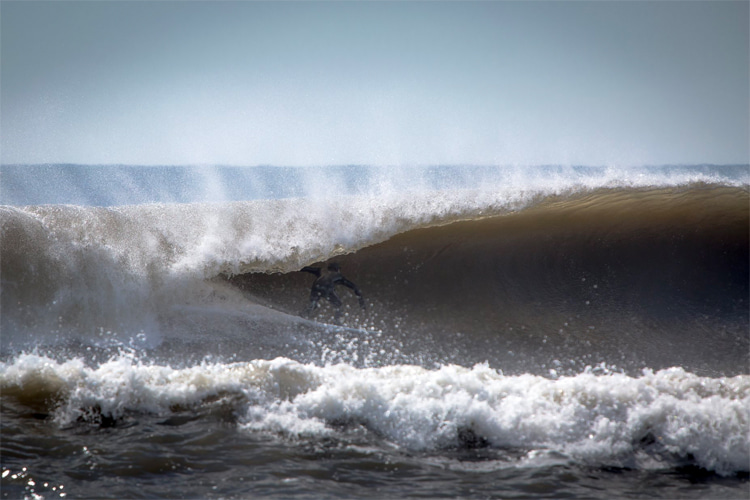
(324, 286)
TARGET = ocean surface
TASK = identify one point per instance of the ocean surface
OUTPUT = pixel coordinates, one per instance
(547, 332)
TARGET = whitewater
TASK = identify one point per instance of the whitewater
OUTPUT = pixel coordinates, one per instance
(538, 331)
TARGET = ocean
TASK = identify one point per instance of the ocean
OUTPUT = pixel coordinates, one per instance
(536, 332)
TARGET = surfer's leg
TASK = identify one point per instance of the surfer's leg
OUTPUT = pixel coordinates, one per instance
(336, 302)
(314, 298)
(310, 308)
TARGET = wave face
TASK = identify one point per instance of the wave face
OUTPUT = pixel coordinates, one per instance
(631, 277)
(596, 317)
(553, 264)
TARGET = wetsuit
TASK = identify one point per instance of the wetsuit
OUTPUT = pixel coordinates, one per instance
(324, 286)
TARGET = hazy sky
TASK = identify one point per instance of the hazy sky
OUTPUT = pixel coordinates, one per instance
(384, 83)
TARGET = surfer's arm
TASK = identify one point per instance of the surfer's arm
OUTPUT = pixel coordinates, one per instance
(313, 270)
(356, 290)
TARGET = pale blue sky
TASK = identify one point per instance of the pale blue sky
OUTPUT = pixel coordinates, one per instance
(381, 83)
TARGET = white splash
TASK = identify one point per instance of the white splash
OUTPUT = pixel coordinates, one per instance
(658, 419)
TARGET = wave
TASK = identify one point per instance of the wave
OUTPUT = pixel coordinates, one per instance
(656, 420)
(638, 275)
(643, 278)
(592, 317)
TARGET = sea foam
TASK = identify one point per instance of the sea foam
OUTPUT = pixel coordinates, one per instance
(597, 417)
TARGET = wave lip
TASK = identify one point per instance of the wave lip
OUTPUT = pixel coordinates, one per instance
(99, 185)
(660, 419)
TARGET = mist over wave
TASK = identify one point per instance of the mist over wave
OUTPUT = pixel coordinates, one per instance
(133, 185)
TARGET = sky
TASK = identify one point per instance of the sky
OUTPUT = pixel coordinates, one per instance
(601, 83)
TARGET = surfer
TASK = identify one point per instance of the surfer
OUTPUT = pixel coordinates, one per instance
(324, 286)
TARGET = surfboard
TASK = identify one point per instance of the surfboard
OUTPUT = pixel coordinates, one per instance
(332, 327)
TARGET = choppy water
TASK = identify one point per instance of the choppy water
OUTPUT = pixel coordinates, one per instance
(546, 332)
